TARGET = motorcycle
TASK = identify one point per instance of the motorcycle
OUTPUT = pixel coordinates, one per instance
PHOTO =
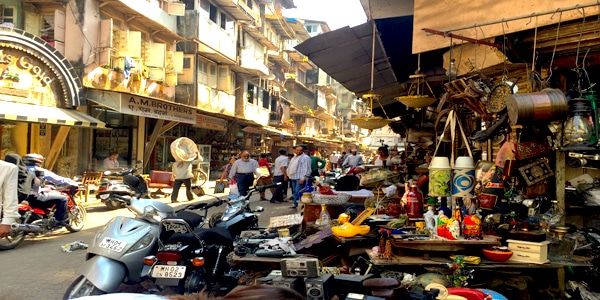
(39, 221)
(238, 216)
(116, 253)
(132, 184)
(192, 258)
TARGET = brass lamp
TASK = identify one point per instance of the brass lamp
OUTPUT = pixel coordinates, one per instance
(369, 121)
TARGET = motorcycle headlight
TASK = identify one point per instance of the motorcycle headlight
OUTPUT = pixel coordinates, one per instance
(142, 243)
(230, 211)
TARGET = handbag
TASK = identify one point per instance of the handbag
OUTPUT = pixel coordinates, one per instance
(198, 191)
(219, 186)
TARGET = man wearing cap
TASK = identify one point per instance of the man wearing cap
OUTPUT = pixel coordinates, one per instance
(353, 159)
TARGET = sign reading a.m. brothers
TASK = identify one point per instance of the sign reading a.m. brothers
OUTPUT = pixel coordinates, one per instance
(158, 109)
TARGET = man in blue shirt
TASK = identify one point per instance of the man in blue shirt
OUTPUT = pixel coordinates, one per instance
(298, 170)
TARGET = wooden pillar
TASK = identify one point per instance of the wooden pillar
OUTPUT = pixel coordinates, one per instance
(57, 143)
(559, 176)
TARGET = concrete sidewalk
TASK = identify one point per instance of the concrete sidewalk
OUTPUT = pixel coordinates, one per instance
(208, 187)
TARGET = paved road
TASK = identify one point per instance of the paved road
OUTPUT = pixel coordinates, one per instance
(38, 269)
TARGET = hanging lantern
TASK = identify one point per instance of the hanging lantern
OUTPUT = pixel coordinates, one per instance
(369, 121)
(578, 128)
(416, 97)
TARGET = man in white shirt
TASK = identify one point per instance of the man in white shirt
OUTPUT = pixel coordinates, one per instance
(242, 172)
(333, 160)
(280, 176)
(111, 161)
(183, 174)
(8, 197)
(353, 159)
(298, 170)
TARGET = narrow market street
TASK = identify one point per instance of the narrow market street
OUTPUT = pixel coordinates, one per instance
(39, 269)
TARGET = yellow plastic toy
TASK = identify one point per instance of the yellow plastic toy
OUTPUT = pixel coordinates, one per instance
(351, 229)
(343, 218)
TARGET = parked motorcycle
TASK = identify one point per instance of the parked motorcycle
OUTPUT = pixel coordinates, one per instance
(191, 258)
(116, 253)
(238, 216)
(131, 183)
(39, 221)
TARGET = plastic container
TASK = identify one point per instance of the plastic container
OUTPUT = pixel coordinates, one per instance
(439, 176)
(463, 177)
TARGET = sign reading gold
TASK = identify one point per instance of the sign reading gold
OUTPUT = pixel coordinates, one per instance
(25, 63)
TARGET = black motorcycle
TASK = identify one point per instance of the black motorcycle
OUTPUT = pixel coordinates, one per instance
(126, 182)
(191, 258)
(238, 216)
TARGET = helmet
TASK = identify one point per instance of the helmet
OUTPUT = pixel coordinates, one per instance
(33, 159)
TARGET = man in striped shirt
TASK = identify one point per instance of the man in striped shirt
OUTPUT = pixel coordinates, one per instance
(298, 170)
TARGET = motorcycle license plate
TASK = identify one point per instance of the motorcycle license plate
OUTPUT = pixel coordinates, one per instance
(112, 244)
(163, 271)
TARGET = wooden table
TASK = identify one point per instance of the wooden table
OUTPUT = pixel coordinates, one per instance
(442, 244)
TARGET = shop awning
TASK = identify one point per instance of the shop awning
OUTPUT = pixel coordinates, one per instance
(46, 114)
(271, 130)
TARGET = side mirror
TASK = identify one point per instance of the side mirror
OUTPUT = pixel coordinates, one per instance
(259, 209)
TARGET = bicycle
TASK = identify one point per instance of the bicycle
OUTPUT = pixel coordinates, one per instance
(200, 177)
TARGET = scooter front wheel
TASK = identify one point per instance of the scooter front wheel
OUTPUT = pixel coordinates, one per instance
(81, 287)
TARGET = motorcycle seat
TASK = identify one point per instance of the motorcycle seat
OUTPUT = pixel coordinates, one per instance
(218, 236)
(193, 219)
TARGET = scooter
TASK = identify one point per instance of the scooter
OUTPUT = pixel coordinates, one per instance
(131, 184)
(116, 253)
(238, 216)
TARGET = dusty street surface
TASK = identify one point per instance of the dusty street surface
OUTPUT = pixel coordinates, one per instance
(39, 269)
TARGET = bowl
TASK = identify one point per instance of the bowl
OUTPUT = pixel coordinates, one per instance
(497, 255)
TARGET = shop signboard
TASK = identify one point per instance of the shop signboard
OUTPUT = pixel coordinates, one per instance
(158, 109)
(208, 122)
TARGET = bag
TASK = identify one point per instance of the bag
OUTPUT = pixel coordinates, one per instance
(233, 189)
(198, 191)
(219, 186)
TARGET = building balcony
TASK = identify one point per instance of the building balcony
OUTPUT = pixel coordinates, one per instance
(213, 41)
(240, 10)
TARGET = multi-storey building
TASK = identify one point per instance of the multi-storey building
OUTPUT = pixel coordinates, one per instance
(222, 72)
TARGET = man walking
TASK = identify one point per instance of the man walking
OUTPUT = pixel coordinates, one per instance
(333, 160)
(280, 176)
(298, 170)
(242, 172)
